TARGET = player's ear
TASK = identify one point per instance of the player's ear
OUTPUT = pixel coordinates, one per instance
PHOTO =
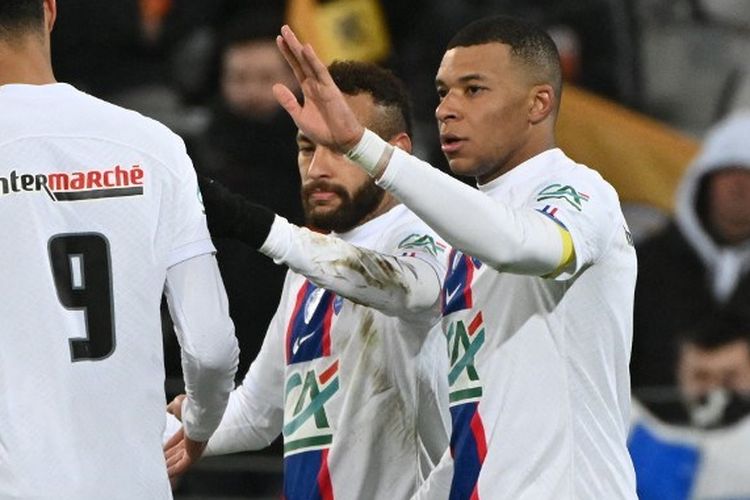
(50, 14)
(402, 141)
(542, 100)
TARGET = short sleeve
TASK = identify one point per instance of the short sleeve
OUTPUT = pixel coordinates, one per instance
(587, 208)
(415, 239)
(190, 233)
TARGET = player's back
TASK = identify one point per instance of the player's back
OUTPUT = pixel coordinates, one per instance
(91, 198)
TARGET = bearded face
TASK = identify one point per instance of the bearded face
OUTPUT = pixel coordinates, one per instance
(331, 207)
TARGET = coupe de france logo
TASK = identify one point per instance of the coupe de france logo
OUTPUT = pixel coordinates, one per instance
(563, 192)
(306, 424)
(464, 343)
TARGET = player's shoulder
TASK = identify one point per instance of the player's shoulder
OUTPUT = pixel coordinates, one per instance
(577, 184)
(403, 219)
(130, 124)
(408, 232)
(84, 116)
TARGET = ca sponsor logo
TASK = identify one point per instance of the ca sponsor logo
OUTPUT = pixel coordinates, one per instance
(563, 192)
(306, 425)
(423, 242)
(464, 342)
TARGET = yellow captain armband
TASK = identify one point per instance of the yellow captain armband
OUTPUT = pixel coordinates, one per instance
(568, 253)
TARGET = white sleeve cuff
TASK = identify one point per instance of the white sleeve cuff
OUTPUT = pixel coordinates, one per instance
(371, 153)
(279, 240)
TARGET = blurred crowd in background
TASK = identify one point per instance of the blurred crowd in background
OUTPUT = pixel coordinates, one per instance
(654, 100)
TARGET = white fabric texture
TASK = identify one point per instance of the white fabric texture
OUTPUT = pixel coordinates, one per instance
(199, 309)
(393, 285)
(539, 367)
(97, 203)
(385, 423)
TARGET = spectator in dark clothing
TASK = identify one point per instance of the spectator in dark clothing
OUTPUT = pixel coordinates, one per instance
(700, 263)
(697, 444)
(713, 371)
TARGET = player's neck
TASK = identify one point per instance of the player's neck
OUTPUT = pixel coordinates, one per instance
(26, 60)
(387, 203)
(539, 143)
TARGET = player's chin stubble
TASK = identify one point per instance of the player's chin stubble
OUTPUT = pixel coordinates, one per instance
(351, 210)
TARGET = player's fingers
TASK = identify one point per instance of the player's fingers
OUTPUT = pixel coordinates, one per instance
(182, 466)
(291, 39)
(296, 48)
(291, 59)
(175, 439)
(177, 469)
(174, 461)
(287, 100)
(318, 69)
(174, 450)
(194, 449)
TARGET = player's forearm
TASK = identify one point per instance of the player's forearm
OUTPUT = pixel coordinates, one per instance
(514, 240)
(208, 383)
(390, 284)
(249, 423)
(199, 309)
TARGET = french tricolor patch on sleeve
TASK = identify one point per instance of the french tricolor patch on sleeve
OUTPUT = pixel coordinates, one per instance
(551, 212)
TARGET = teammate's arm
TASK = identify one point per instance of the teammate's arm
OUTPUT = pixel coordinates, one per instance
(254, 414)
(520, 241)
(199, 309)
(393, 285)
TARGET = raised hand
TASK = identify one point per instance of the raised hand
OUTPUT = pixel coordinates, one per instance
(324, 117)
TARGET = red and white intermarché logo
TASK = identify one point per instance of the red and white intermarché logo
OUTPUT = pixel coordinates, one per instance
(93, 184)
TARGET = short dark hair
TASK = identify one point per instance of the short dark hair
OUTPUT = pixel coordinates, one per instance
(386, 89)
(718, 330)
(20, 15)
(528, 42)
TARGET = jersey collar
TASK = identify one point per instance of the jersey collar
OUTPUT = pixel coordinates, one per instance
(372, 228)
(534, 167)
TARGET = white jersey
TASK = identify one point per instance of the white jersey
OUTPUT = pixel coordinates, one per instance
(539, 381)
(96, 203)
(357, 391)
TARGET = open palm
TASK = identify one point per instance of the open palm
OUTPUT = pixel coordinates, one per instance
(324, 117)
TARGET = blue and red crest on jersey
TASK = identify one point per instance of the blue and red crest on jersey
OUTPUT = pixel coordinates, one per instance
(308, 334)
(457, 294)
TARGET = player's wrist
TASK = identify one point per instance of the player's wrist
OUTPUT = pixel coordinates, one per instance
(231, 215)
(254, 225)
(372, 153)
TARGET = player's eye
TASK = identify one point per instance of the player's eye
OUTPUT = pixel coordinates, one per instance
(441, 92)
(306, 149)
(472, 90)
